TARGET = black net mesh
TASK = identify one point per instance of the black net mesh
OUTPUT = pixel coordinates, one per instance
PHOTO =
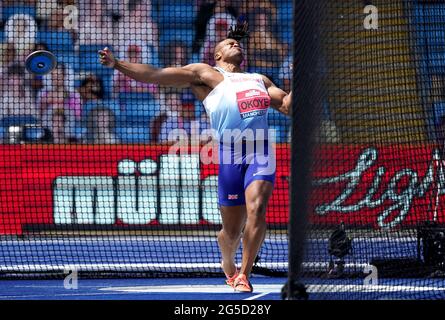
(376, 215)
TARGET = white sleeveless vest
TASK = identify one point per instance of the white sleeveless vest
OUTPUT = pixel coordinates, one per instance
(237, 107)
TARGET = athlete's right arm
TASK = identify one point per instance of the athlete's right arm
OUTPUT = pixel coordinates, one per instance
(175, 77)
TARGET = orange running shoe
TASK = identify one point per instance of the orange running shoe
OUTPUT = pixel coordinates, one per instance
(230, 279)
(242, 284)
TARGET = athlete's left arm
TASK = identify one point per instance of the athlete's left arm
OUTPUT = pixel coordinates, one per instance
(280, 100)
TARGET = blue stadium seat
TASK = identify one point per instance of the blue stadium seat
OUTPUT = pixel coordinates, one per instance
(179, 15)
(439, 111)
(431, 12)
(138, 106)
(436, 56)
(69, 58)
(435, 37)
(276, 118)
(57, 41)
(2, 36)
(286, 32)
(285, 12)
(107, 80)
(17, 121)
(12, 10)
(189, 3)
(133, 134)
(8, 121)
(2, 134)
(281, 133)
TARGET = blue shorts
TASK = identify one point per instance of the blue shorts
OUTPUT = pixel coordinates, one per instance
(239, 166)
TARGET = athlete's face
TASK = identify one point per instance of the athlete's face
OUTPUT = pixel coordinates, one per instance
(229, 50)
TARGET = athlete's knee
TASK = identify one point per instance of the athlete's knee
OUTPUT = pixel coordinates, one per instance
(230, 234)
(257, 209)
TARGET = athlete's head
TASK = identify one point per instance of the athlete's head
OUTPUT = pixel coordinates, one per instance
(230, 50)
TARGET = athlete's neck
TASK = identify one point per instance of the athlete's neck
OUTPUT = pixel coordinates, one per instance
(229, 67)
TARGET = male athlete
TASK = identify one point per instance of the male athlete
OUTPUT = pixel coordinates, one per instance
(237, 104)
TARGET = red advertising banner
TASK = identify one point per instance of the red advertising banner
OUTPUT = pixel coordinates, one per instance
(383, 187)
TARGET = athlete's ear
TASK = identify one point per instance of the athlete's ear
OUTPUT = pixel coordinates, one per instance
(217, 56)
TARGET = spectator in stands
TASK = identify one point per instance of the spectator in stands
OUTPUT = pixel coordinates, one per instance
(58, 122)
(207, 9)
(100, 126)
(59, 95)
(16, 97)
(175, 54)
(144, 31)
(7, 57)
(124, 84)
(265, 49)
(217, 30)
(44, 10)
(91, 89)
(116, 8)
(95, 25)
(21, 30)
(248, 9)
(179, 114)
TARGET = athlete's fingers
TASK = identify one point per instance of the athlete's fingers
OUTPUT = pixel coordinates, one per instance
(106, 57)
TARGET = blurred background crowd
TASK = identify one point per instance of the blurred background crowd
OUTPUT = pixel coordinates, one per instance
(84, 102)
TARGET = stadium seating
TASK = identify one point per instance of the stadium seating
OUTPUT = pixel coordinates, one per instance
(17, 121)
(281, 133)
(69, 58)
(8, 121)
(179, 15)
(138, 107)
(184, 35)
(189, 3)
(280, 123)
(133, 134)
(285, 32)
(439, 111)
(57, 41)
(285, 13)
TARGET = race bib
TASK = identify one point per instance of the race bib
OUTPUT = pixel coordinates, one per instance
(252, 103)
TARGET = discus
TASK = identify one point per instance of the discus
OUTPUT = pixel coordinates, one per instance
(40, 62)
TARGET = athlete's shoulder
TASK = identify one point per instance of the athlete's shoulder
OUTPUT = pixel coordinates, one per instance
(267, 82)
(198, 67)
(205, 74)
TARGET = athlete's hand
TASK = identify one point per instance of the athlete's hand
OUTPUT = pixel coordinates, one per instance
(107, 58)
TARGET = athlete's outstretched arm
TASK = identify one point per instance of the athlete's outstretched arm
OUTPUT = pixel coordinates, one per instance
(280, 100)
(175, 77)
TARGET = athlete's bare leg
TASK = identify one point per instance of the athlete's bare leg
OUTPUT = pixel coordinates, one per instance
(257, 197)
(233, 219)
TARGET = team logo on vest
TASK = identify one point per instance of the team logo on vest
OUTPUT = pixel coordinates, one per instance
(252, 103)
